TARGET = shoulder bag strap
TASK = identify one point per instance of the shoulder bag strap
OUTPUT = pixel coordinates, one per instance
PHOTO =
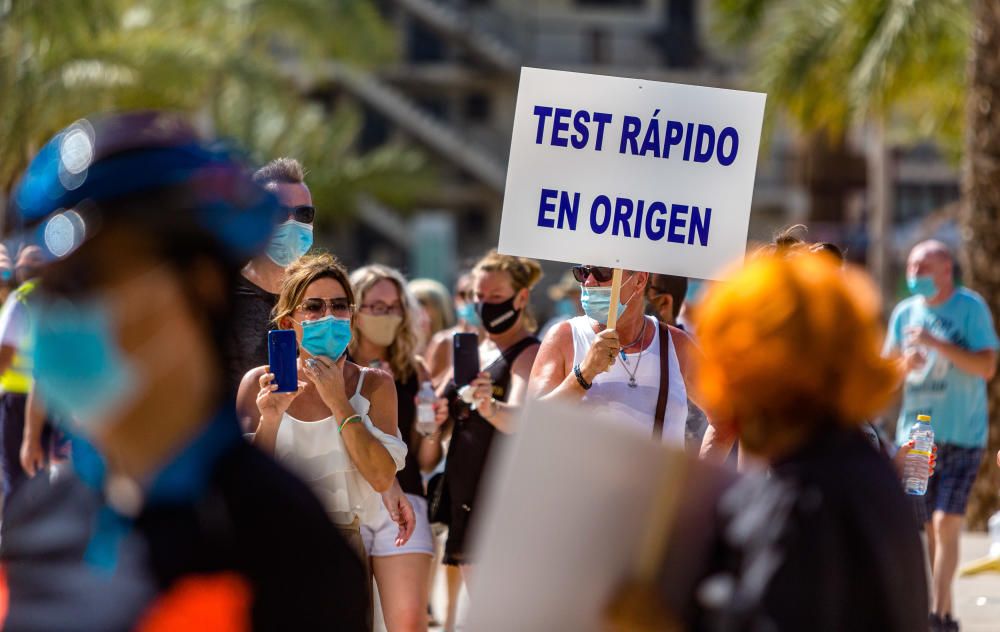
(664, 394)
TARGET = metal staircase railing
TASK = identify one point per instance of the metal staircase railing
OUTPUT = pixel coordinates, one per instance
(433, 133)
(456, 26)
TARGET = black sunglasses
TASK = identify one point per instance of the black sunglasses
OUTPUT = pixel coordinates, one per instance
(603, 275)
(305, 213)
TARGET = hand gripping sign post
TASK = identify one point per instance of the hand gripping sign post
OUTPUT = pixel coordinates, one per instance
(643, 175)
(627, 173)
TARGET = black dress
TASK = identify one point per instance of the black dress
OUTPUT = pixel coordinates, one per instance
(469, 451)
(827, 542)
(406, 408)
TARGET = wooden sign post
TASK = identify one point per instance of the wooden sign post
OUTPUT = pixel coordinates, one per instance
(616, 291)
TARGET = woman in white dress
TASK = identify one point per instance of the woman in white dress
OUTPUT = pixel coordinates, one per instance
(338, 431)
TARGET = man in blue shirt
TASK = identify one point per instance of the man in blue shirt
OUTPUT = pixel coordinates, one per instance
(948, 344)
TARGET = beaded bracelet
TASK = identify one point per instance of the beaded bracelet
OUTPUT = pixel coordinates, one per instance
(349, 420)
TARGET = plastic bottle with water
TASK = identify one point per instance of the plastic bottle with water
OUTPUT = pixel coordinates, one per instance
(916, 468)
(425, 410)
(994, 524)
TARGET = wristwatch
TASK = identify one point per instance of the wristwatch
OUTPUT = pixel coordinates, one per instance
(579, 378)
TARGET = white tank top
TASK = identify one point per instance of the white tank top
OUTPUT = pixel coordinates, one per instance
(635, 407)
(315, 451)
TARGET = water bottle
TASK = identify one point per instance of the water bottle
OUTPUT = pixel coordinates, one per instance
(917, 464)
(994, 524)
(425, 409)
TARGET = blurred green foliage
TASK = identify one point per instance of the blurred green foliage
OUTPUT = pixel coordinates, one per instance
(242, 68)
(829, 63)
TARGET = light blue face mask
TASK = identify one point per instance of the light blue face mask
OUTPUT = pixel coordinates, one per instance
(290, 241)
(922, 285)
(80, 371)
(596, 303)
(327, 336)
(468, 313)
(566, 308)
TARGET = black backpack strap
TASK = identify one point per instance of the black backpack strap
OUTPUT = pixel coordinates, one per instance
(664, 393)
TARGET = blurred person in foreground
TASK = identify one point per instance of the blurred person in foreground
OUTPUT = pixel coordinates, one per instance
(384, 338)
(948, 344)
(436, 313)
(260, 280)
(488, 407)
(148, 225)
(825, 540)
(717, 445)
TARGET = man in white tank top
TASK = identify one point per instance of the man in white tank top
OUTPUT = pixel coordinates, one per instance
(618, 371)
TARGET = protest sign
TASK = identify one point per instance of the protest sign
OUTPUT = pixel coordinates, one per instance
(628, 173)
(567, 523)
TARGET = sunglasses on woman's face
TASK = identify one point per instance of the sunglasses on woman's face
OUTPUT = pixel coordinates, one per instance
(338, 307)
(603, 275)
(305, 213)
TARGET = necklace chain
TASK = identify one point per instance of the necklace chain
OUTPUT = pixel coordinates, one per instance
(631, 374)
(642, 332)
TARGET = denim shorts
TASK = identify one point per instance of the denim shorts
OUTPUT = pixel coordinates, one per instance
(948, 490)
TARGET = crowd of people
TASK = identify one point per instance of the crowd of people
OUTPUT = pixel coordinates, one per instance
(135, 365)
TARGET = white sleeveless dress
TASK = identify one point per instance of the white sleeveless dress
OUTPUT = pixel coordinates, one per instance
(635, 407)
(315, 451)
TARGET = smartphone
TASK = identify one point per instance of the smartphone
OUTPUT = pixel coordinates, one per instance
(466, 358)
(282, 352)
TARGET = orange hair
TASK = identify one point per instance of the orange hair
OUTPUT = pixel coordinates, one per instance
(791, 344)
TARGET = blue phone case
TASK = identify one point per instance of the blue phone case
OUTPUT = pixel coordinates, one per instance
(282, 351)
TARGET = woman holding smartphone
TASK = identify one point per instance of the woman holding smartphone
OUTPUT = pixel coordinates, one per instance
(338, 430)
(502, 288)
(384, 338)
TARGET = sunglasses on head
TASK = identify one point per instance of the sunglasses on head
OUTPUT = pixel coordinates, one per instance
(339, 307)
(305, 213)
(603, 275)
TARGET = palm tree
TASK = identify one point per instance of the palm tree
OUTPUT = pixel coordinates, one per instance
(236, 64)
(981, 214)
(897, 66)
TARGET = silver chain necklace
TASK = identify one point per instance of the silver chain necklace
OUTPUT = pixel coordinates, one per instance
(631, 374)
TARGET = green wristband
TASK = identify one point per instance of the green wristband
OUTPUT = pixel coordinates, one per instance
(349, 420)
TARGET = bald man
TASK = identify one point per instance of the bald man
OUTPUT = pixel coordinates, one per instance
(947, 343)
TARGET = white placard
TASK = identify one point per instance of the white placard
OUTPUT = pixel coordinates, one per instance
(628, 173)
(565, 507)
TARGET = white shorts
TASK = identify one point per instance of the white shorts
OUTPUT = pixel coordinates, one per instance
(380, 539)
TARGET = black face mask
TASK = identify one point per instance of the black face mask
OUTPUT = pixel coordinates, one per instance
(498, 317)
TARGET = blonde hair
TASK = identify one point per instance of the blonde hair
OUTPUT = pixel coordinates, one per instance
(524, 273)
(790, 344)
(434, 295)
(402, 350)
(300, 275)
